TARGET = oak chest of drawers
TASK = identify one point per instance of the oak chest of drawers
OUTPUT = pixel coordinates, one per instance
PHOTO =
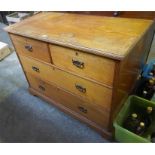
(85, 65)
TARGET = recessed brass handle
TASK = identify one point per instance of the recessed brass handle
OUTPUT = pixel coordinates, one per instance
(80, 88)
(35, 69)
(78, 63)
(28, 47)
(82, 109)
(41, 88)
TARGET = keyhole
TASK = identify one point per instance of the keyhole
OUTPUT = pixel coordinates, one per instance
(76, 53)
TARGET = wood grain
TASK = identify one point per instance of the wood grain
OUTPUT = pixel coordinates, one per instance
(128, 70)
(94, 67)
(106, 134)
(74, 103)
(112, 52)
(110, 37)
(39, 49)
(95, 93)
(124, 14)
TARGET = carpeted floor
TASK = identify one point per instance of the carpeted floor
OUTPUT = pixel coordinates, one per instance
(25, 118)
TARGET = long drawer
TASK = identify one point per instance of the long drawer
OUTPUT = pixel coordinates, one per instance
(32, 48)
(95, 93)
(88, 65)
(74, 103)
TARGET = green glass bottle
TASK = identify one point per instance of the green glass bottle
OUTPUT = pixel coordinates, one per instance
(140, 129)
(149, 89)
(132, 122)
(147, 116)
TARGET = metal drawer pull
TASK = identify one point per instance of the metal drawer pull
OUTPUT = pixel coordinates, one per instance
(35, 69)
(82, 109)
(80, 88)
(41, 88)
(28, 47)
(78, 63)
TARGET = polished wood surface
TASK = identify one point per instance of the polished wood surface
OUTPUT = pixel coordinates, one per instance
(91, 65)
(88, 110)
(123, 14)
(137, 14)
(30, 47)
(128, 71)
(106, 134)
(110, 37)
(88, 68)
(94, 93)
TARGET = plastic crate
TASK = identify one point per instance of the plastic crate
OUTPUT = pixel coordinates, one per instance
(147, 68)
(124, 135)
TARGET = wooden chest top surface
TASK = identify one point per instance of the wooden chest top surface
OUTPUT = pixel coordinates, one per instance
(106, 36)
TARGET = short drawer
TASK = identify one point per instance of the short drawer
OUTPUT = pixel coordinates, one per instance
(32, 48)
(74, 103)
(88, 65)
(93, 92)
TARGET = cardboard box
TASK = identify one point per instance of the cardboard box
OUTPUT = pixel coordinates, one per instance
(4, 50)
(16, 17)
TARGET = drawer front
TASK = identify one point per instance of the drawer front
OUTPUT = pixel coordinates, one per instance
(87, 65)
(32, 48)
(88, 90)
(74, 103)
